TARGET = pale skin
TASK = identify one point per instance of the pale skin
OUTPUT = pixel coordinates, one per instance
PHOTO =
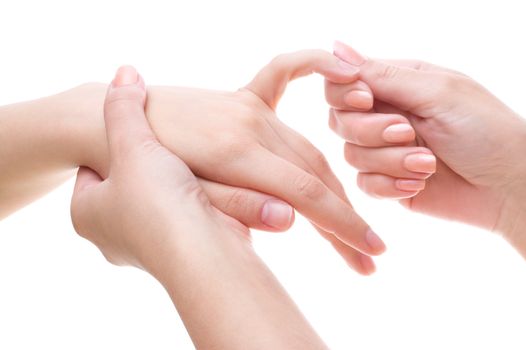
(252, 166)
(435, 140)
(152, 213)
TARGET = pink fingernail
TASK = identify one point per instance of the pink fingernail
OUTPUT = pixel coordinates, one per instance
(410, 185)
(401, 132)
(420, 163)
(277, 214)
(374, 242)
(348, 54)
(126, 75)
(359, 99)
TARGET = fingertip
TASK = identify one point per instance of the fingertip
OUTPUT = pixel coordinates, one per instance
(368, 265)
(374, 242)
(125, 75)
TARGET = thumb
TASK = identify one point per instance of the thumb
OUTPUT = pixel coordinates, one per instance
(270, 83)
(406, 88)
(83, 200)
(126, 123)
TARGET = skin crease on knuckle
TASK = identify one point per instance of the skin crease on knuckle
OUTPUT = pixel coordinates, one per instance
(388, 71)
(309, 187)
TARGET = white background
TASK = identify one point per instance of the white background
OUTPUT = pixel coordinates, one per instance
(441, 285)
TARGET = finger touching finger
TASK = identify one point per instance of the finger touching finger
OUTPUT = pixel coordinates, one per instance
(371, 129)
(354, 96)
(253, 209)
(270, 83)
(311, 197)
(384, 186)
(404, 87)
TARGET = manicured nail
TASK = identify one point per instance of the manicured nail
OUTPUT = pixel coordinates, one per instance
(347, 69)
(367, 264)
(277, 214)
(374, 242)
(410, 185)
(126, 75)
(359, 99)
(420, 163)
(399, 133)
(348, 54)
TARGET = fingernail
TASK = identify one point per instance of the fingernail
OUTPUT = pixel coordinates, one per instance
(374, 242)
(399, 133)
(420, 163)
(126, 75)
(359, 99)
(367, 264)
(277, 214)
(410, 185)
(348, 54)
(348, 69)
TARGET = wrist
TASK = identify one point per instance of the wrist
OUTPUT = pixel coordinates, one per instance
(82, 108)
(512, 221)
(193, 242)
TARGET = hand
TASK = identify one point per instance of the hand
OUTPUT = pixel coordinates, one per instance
(235, 139)
(150, 212)
(478, 143)
(148, 188)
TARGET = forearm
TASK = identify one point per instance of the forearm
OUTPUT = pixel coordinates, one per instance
(228, 299)
(40, 146)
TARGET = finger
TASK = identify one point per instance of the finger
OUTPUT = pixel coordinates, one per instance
(271, 174)
(407, 88)
(420, 65)
(354, 96)
(402, 162)
(359, 262)
(371, 129)
(83, 199)
(298, 150)
(270, 83)
(384, 186)
(253, 209)
(126, 123)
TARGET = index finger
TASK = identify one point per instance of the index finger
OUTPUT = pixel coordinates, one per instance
(270, 83)
(274, 175)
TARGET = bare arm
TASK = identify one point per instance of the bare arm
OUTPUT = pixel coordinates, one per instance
(151, 213)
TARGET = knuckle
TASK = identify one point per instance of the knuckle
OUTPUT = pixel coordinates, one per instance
(420, 65)
(193, 191)
(232, 148)
(310, 187)
(448, 83)
(238, 200)
(319, 160)
(388, 71)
